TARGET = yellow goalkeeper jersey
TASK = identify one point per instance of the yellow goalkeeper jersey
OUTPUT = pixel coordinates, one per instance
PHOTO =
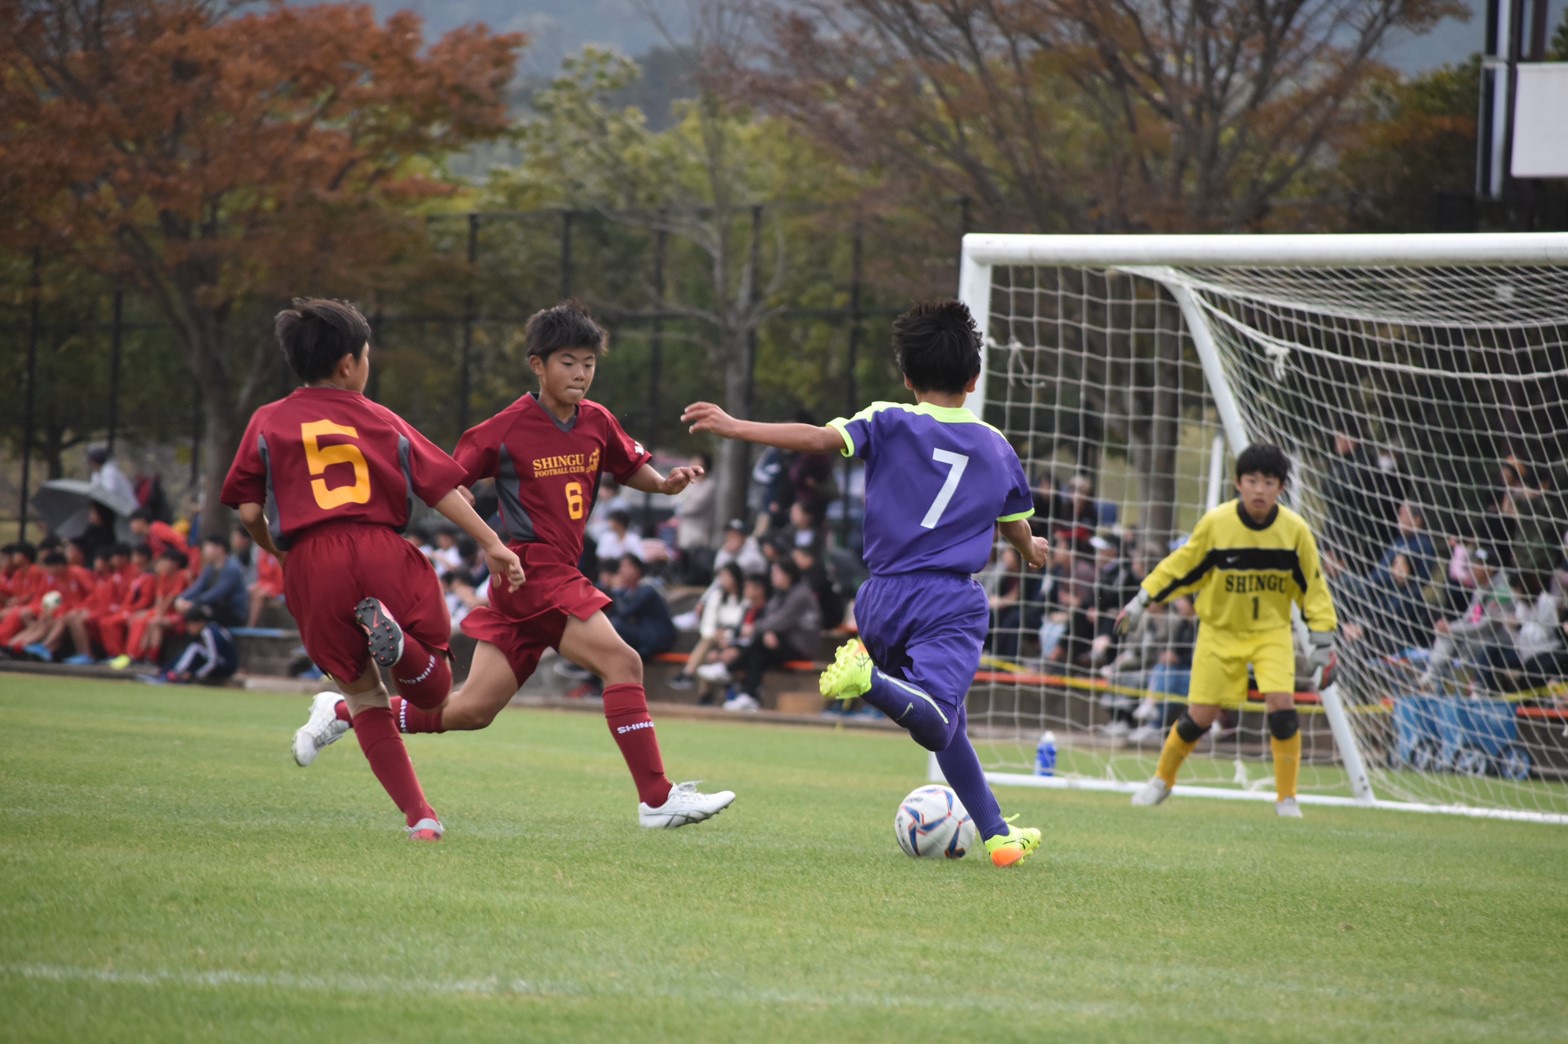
(1247, 573)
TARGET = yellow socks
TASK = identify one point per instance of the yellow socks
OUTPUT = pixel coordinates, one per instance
(1173, 754)
(1287, 764)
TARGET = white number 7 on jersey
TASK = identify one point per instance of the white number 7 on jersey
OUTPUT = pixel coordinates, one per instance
(957, 462)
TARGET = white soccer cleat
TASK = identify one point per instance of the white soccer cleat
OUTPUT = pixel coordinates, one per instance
(425, 830)
(1152, 792)
(321, 729)
(686, 804)
(1288, 808)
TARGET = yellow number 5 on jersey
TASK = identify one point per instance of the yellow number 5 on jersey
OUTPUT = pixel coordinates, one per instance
(319, 458)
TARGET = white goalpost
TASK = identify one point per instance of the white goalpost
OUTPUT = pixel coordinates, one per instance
(1419, 384)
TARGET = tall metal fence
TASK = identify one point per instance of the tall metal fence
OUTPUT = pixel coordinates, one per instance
(800, 292)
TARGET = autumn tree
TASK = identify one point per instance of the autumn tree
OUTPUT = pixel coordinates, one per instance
(220, 158)
(1074, 115)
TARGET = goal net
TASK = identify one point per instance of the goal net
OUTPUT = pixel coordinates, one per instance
(1419, 385)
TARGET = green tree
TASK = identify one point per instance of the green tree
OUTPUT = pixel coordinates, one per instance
(733, 201)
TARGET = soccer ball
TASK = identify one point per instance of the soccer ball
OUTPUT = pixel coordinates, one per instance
(52, 600)
(931, 821)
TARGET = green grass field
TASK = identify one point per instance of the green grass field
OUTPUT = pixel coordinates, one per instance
(169, 874)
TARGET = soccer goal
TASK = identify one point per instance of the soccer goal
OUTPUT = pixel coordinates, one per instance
(1419, 384)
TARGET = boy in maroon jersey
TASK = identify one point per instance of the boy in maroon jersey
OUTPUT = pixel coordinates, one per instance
(546, 452)
(323, 480)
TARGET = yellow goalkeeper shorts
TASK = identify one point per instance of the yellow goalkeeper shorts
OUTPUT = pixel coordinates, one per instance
(1220, 659)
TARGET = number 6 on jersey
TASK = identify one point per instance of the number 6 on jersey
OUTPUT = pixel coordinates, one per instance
(956, 463)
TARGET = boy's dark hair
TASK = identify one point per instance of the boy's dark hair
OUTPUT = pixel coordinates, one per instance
(787, 566)
(318, 332)
(175, 556)
(144, 550)
(102, 554)
(636, 563)
(26, 550)
(50, 543)
(621, 517)
(54, 558)
(937, 346)
(121, 550)
(567, 325)
(140, 515)
(217, 540)
(1260, 458)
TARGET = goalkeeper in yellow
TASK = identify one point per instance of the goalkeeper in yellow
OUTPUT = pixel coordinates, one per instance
(1248, 559)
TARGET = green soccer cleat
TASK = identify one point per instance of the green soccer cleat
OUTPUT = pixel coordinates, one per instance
(849, 675)
(1013, 847)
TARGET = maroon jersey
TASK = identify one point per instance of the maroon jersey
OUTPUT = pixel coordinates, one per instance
(331, 455)
(546, 472)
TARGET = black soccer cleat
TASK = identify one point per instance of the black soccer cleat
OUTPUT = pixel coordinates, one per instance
(382, 633)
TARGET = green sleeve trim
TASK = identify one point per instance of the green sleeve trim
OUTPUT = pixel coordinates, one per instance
(1018, 517)
(839, 424)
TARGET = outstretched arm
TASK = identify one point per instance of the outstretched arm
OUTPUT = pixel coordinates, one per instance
(806, 438)
(648, 480)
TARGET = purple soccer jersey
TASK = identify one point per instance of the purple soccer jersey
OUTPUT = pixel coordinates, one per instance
(938, 479)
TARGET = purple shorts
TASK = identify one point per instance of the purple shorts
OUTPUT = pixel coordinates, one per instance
(926, 629)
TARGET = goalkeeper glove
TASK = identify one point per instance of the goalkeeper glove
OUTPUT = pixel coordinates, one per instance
(1321, 659)
(1131, 613)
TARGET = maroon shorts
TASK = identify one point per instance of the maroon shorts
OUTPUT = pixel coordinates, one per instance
(524, 621)
(331, 568)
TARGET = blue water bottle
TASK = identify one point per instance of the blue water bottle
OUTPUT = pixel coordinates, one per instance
(1045, 755)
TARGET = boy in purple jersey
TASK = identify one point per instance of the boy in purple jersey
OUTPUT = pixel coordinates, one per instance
(939, 484)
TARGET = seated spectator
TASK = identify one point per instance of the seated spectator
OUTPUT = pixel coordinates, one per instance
(639, 612)
(755, 590)
(1003, 583)
(462, 597)
(820, 577)
(138, 592)
(722, 611)
(1157, 657)
(211, 658)
(1066, 630)
(146, 628)
(66, 587)
(741, 548)
(1400, 619)
(1115, 583)
(1051, 507)
(618, 540)
(805, 526)
(160, 536)
(444, 554)
(82, 620)
(1487, 620)
(1412, 541)
(219, 591)
(1537, 655)
(789, 628)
